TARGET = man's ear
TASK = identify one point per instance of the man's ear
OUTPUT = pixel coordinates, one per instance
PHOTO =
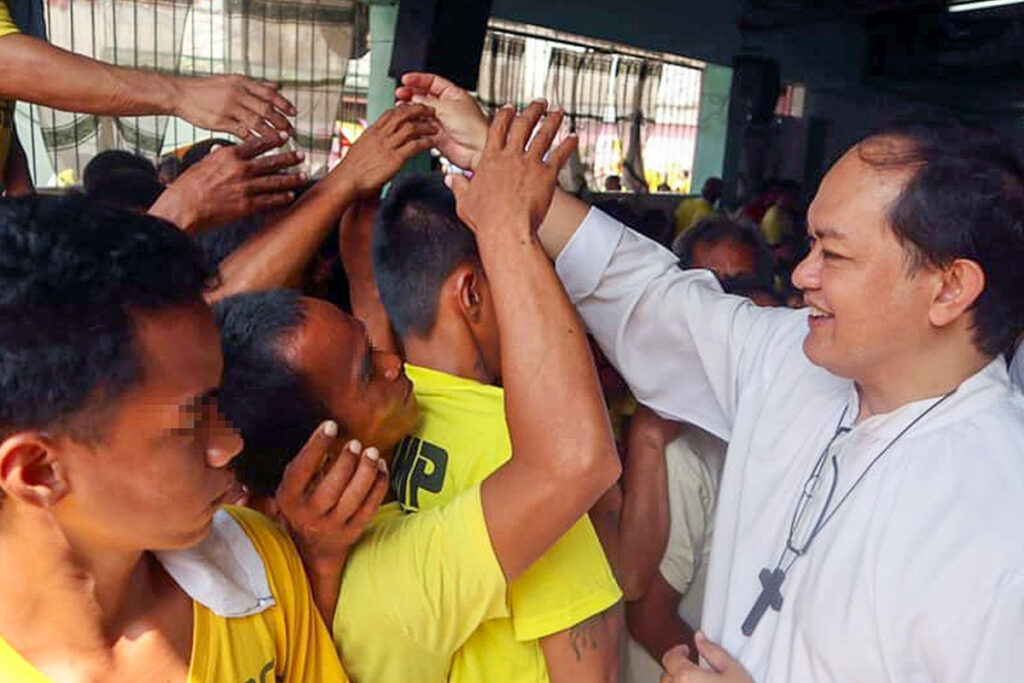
(960, 285)
(30, 470)
(468, 292)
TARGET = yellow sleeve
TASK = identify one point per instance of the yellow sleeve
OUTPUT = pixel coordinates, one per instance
(415, 588)
(304, 648)
(6, 23)
(570, 583)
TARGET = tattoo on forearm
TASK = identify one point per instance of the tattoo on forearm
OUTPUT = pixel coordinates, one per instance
(583, 636)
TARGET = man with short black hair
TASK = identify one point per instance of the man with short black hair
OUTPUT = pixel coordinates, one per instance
(873, 491)
(437, 295)
(114, 462)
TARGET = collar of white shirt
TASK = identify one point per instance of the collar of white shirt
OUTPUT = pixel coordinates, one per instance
(224, 572)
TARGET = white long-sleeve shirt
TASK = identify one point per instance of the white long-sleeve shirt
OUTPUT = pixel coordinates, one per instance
(919, 577)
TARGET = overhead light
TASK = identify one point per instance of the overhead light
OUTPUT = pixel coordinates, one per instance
(972, 5)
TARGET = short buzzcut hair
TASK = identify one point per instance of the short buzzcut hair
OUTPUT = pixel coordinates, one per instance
(72, 273)
(417, 243)
(716, 229)
(271, 404)
(964, 199)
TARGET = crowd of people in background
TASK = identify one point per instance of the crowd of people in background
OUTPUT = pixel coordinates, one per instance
(387, 426)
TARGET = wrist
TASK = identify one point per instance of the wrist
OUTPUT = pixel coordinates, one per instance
(174, 91)
(170, 208)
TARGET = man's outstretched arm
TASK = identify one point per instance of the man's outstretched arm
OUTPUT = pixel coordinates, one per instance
(587, 652)
(563, 453)
(37, 72)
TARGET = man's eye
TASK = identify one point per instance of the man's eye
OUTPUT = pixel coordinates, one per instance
(831, 255)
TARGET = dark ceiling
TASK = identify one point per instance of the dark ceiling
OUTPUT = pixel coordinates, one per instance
(972, 61)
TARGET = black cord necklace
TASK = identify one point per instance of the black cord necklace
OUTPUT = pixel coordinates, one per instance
(771, 580)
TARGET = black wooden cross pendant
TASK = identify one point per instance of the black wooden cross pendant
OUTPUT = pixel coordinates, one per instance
(770, 596)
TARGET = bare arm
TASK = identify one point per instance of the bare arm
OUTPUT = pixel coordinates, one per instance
(279, 253)
(654, 620)
(586, 653)
(37, 72)
(564, 458)
(645, 511)
(356, 245)
(16, 179)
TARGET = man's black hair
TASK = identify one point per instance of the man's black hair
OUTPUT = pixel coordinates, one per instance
(200, 151)
(127, 189)
(110, 161)
(271, 404)
(417, 243)
(218, 243)
(717, 229)
(72, 273)
(965, 199)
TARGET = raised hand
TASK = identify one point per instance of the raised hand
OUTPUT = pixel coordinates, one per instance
(230, 184)
(513, 182)
(327, 496)
(463, 124)
(724, 668)
(383, 148)
(234, 104)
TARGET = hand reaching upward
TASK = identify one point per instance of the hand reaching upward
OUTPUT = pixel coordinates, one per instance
(464, 125)
(515, 178)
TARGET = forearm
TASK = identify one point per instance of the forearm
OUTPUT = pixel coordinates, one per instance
(16, 178)
(564, 216)
(586, 653)
(356, 245)
(644, 529)
(656, 625)
(606, 516)
(35, 71)
(325, 582)
(563, 452)
(277, 255)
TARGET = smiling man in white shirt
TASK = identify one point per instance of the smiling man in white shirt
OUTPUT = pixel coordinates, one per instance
(869, 518)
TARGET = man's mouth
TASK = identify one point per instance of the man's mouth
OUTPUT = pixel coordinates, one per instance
(818, 313)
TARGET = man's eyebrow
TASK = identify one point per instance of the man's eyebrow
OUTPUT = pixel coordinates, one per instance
(827, 232)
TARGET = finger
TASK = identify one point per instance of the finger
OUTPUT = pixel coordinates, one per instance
(267, 113)
(269, 202)
(372, 502)
(414, 130)
(677, 660)
(429, 83)
(541, 142)
(272, 184)
(257, 145)
(713, 654)
(383, 119)
(562, 152)
(359, 487)
(522, 127)
(304, 466)
(327, 493)
(254, 121)
(498, 133)
(268, 93)
(273, 163)
(414, 147)
(411, 112)
(457, 183)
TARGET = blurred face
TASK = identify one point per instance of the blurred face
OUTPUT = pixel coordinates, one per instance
(365, 390)
(160, 470)
(727, 259)
(868, 313)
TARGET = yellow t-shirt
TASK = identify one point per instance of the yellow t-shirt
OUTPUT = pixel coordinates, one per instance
(287, 642)
(462, 438)
(776, 224)
(690, 212)
(7, 27)
(414, 589)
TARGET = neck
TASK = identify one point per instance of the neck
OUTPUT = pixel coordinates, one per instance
(447, 348)
(68, 597)
(931, 376)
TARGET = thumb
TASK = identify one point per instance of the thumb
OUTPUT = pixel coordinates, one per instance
(677, 660)
(458, 184)
(719, 660)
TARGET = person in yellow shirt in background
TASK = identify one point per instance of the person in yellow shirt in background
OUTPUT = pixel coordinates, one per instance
(417, 586)
(695, 209)
(35, 71)
(114, 461)
(438, 299)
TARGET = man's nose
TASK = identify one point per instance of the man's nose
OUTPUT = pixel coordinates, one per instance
(224, 444)
(807, 274)
(390, 365)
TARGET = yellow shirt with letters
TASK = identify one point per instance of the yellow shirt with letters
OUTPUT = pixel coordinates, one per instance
(414, 589)
(7, 27)
(287, 642)
(462, 438)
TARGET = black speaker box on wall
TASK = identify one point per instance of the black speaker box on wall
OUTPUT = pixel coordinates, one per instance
(444, 37)
(756, 82)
